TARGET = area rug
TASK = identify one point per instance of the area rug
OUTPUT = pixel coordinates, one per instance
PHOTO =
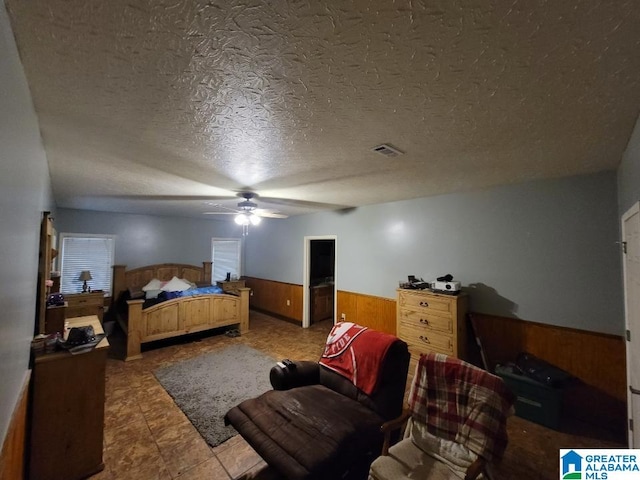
(207, 386)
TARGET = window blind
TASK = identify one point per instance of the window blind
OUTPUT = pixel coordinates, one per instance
(225, 257)
(81, 252)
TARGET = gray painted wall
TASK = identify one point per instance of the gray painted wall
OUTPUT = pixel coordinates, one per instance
(629, 173)
(148, 239)
(543, 251)
(25, 191)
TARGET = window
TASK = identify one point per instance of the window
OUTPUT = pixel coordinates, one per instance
(81, 252)
(225, 255)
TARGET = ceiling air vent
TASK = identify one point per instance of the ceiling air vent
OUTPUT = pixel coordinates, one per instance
(387, 150)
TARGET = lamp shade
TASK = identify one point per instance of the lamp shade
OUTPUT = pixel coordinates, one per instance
(85, 275)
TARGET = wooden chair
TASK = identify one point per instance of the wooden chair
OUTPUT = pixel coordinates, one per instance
(455, 424)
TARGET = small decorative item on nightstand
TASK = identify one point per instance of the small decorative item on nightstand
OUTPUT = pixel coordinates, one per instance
(85, 275)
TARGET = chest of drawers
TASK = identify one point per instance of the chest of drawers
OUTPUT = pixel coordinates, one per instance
(432, 322)
(83, 304)
(67, 411)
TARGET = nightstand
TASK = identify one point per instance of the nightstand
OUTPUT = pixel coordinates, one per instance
(231, 286)
(83, 304)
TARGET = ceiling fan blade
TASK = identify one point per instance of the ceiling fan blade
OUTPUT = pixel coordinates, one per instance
(229, 210)
(251, 201)
(182, 198)
(272, 215)
(302, 203)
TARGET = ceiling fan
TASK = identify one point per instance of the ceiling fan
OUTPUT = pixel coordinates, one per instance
(247, 212)
(220, 205)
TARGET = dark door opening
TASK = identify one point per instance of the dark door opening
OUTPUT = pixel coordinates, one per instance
(321, 279)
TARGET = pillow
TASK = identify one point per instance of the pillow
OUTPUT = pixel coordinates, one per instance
(192, 284)
(151, 294)
(175, 285)
(154, 284)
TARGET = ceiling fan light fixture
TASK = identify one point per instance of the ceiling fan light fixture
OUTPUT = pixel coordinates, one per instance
(254, 219)
(242, 219)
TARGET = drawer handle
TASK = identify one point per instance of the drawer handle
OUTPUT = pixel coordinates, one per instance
(424, 321)
(424, 339)
(424, 304)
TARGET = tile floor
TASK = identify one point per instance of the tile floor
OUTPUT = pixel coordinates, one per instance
(147, 436)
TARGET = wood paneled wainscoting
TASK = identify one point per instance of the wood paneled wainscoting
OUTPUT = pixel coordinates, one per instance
(378, 313)
(278, 298)
(12, 455)
(596, 359)
(271, 296)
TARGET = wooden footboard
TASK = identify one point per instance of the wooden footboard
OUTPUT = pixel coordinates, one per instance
(184, 315)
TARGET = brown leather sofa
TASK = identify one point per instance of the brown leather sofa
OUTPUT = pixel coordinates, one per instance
(316, 424)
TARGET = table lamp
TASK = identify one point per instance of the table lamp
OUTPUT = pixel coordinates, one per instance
(85, 275)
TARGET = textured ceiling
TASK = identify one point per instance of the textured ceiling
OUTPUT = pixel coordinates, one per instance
(147, 106)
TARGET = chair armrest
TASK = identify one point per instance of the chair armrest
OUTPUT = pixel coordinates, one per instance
(299, 374)
(390, 426)
(475, 469)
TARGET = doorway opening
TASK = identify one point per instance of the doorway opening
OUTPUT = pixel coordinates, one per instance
(319, 285)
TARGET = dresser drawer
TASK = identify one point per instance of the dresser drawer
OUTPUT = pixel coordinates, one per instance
(423, 303)
(432, 322)
(83, 304)
(83, 301)
(425, 340)
(415, 318)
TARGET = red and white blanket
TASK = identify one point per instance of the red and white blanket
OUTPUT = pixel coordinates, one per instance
(356, 353)
(460, 402)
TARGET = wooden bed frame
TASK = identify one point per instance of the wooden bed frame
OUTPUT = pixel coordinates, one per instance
(178, 316)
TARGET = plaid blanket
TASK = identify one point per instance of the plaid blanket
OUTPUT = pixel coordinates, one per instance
(463, 403)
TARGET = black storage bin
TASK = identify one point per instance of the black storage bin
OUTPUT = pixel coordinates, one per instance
(535, 401)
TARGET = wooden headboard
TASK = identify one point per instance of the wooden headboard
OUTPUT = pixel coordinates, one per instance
(124, 279)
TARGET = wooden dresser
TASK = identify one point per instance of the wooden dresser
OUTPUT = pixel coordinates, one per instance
(432, 322)
(231, 286)
(321, 302)
(54, 318)
(83, 304)
(67, 411)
